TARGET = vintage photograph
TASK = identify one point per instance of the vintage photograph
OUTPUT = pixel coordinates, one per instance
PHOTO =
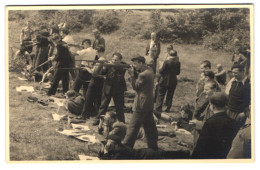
(130, 82)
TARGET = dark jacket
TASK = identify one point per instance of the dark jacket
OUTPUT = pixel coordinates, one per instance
(239, 96)
(99, 42)
(169, 71)
(143, 86)
(63, 56)
(156, 49)
(115, 81)
(216, 138)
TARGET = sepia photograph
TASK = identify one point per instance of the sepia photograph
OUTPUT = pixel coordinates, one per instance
(149, 83)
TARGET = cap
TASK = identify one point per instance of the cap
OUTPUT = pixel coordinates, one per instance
(138, 58)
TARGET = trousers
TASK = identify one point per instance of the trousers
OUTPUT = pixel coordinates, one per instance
(62, 75)
(161, 94)
(82, 79)
(146, 120)
(92, 99)
(118, 99)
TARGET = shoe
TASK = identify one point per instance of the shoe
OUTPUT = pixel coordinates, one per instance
(95, 122)
(167, 110)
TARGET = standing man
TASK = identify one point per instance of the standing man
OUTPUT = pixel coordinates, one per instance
(43, 46)
(83, 77)
(94, 92)
(239, 91)
(114, 87)
(216, 136)
(63, 59)
(98, 42)
(143, 105)
(26, 43)
(168, 81)
(153, 49)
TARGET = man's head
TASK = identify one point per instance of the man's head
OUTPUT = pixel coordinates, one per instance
(138, 62)
(96, 33)
(173, 53)
(153, 36)
(116, 58)
(186, 111)
(210, 87)
(169, 48)
(238, 71)
(86, 43)
(219, 67)
(110, 118)
(209, 75)
(205, 65)
(218, 101)
(29, 24)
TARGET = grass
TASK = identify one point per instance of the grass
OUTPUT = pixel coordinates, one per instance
(32, 134)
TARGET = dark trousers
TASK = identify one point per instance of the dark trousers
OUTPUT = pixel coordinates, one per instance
(161, 94)
(118, 99)
(42, 56)
(82, 79)
(62, 75)
(138, 119)
(92, 99)
(154, 65)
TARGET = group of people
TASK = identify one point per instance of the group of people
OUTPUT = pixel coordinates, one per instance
(219, 118)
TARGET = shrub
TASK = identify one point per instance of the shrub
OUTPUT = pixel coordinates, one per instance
(107, 21)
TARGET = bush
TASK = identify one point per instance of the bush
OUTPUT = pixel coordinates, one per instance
(107, 21)
(15, 15)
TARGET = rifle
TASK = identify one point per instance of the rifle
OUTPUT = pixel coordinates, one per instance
(29, 73)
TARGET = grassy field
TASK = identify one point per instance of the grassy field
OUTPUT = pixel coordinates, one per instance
(32, 134)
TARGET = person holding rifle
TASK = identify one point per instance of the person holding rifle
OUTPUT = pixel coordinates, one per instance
(143, 105)
(63, 59)
(114, 87)
(94, 91)
(83, 77)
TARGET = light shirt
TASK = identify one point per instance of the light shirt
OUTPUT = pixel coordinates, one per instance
(69, 40)
(152, 44)
(85, 54)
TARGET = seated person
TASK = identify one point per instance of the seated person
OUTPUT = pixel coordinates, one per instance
(74, 102)
(186, 116)
(109, 125)
(113, 149)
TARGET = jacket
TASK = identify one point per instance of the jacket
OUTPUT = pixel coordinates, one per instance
(63, 56)
(99, 42)
(115, 81)
(169, 71)
(156, 49)
(143, 86)
(215, 138)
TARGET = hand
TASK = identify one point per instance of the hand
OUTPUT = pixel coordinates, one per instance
(51, 58)
(41, 82)
(131, 72)
(193, 122)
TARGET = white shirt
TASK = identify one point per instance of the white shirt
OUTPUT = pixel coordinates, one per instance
(85, 54)
(69, 40)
